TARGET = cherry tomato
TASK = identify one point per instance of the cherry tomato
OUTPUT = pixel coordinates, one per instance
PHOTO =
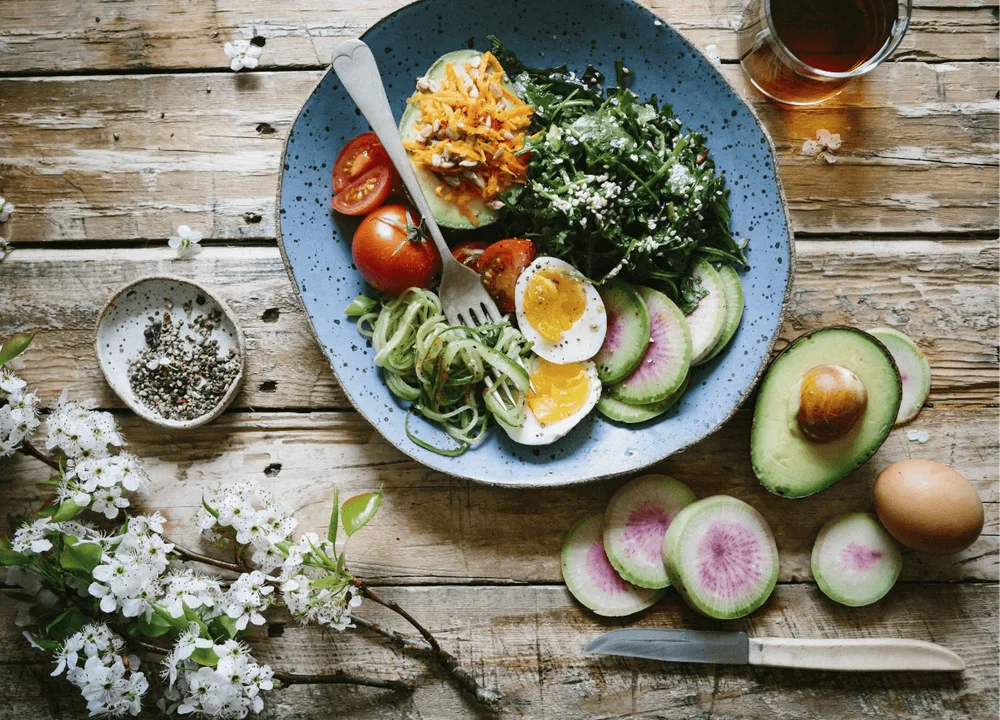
(390, 254)
(364, 194)
(499, 266)
(359, 155)
(468, 253)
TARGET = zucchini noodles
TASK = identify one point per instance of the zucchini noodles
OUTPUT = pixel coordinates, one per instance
(453, 375)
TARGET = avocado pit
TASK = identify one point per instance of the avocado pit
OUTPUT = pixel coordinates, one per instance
(832, 399)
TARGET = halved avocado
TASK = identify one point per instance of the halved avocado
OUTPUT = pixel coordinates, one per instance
(788, 463)
(447, 214)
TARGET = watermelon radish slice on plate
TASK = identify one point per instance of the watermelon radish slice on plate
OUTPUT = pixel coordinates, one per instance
(708, 320)
(914, 371)
(733, 289)
(667, 359)
(630, 414)
(591, 578)
(635, 521)
(721, 556)
(855, 560)
(628, 332)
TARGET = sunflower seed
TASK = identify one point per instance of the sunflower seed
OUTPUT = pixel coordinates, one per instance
(447, 164)
(474, 179)
(476, 61)
(474, 92)
(508, 135)
(437, 125)
(451, 180)
(495, 205)
(469, 163)
(436, 160)
(496, 90)
(498, 154)
(423, 84)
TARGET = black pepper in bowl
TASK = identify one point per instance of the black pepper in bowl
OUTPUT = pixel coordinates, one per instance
(181, 374)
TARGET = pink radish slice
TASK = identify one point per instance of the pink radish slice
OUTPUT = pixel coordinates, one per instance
(707, 321)
(720, 555)
(914, 371)
(591, 578)
(668, 356)
(636, 519)
(855, 561)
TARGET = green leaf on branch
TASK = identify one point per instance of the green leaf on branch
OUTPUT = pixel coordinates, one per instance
(331, 531)
(14, 346)
(178, 623)
(327, 581)
(359, 510)
(227, 624)
(9, 556)
(45, 643)
(154, 627)
(84, 556)
(66, 624)
(66, 510)
(190, 616)
(205, 656)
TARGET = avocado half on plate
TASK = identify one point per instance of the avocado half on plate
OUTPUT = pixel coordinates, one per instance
(826, 405)
(446, 213)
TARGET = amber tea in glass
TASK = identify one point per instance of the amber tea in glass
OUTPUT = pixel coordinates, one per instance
(804, 51)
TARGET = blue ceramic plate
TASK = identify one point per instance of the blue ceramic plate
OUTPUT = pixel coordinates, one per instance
(317, 245)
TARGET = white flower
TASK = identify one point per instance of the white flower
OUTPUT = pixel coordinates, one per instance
(244, 54)
(329, 605)
(110, 684)
(30, 539)
(823, 147)
(186, 241)
(247, 598)
(18, 412)
(81, 432)
(187, 588)
(6, 210)
(229, 690)
(4, 249)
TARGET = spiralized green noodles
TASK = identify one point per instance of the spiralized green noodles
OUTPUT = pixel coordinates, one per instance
(454, 375)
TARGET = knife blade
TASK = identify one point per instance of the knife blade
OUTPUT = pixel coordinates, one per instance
(735, 648)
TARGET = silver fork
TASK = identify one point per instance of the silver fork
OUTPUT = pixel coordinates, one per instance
(463, 298)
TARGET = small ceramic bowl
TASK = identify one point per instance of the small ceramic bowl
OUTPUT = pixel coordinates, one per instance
(121, 338)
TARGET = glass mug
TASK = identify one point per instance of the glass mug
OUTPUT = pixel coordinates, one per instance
(802, 52)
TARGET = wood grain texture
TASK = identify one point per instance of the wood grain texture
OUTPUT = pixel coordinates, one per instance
(941, 293)
(527, 642)
(93, 35)
(434, 528)
(113, 158)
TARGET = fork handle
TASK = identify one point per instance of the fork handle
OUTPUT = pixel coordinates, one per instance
(355, 66)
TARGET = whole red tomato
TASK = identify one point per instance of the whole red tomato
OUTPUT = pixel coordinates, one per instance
(390, 253)
(500, 264)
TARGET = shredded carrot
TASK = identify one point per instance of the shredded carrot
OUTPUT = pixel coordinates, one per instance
(471, 117)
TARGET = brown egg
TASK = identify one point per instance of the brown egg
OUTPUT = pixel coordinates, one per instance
(831, 401)
(928, 507)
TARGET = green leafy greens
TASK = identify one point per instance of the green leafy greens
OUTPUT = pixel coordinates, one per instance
(614, 184)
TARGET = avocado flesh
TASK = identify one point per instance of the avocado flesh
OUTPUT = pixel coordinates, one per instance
(783, 459)
(446, 213)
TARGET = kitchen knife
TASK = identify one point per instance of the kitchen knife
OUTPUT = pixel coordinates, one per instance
(735, 648)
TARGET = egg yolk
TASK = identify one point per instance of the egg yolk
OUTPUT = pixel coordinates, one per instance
(554, 301)
(557, 391)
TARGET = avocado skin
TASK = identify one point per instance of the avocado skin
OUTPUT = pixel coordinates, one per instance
(831, 345)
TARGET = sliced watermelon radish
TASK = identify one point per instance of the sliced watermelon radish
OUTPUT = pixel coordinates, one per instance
(855, 560)
(628, 332)
(914, 371)
(707, 321)
(668, 356)
(720, 555)
(628, 413)
(635, 521)
(733, 288)
(592, 579)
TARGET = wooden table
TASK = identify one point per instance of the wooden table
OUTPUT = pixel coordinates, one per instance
(121, 120)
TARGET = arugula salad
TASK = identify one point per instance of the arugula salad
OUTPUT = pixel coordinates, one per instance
(616, 267)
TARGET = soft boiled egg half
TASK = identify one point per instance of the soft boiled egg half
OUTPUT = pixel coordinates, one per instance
(559, 311)
(559, 397)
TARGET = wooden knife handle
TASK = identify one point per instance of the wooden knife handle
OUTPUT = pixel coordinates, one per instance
(874, 655)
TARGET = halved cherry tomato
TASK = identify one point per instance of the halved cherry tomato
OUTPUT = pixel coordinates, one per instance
(390, 254)
(364, 194)
(500, 264)
(468, 253)
(359, 156)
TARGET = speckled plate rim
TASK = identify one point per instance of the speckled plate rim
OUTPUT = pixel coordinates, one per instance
(143, 411)
(765, 358)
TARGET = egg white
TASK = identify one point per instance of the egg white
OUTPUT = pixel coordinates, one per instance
(532, 432)
(583, 339)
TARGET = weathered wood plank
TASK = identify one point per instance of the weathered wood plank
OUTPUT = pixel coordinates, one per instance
(124, 158)
(941, 293)
(440, 529)
(527, 642)
(169, 35)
